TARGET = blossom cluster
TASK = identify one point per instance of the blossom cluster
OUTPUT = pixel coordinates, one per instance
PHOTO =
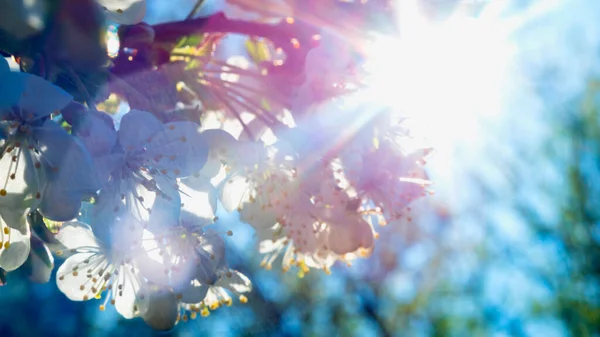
(129, 202)
(140, 248)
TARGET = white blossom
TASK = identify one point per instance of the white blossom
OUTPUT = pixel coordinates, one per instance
(93, 268)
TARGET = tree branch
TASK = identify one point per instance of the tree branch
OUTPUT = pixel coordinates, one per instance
(295, 39)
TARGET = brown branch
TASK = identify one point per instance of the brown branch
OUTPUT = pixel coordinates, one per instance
(281, 34)
(153, 44)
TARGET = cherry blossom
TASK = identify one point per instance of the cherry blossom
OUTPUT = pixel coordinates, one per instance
(34, 149)
(92, 268)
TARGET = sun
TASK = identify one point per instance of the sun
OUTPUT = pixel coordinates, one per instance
(445, 77)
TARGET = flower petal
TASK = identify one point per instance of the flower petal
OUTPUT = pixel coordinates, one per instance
(213, 296)
(256, 216)
(213, 243)
(266, 244)
(136, 128)
(24, 179)
(126, 232)
(165, 205)
(179, 149)
(220, 141)
(11, 88)
(152, 265)
(234, 192)
(349, 236)
(76, 234)
(211, 253)
(15, 218)
(106, 165)
(198, 201)
(211, 169)
(194, 292)
(59, 204)
(41, 98)
(71, 164)
(107, 207)
(132, 299)
(71, 277)
(96, 130)
(162, 310)
(14, 253)
(235, 281)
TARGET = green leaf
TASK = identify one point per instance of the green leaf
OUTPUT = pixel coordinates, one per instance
(190, 41)
(264, 103)
(258, 51)
(193, 64)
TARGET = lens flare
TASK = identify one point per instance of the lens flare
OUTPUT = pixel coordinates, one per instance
(112, 41)
(445, 77)
(448, 78)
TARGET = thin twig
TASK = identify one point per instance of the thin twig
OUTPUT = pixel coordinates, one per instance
(194, 9)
